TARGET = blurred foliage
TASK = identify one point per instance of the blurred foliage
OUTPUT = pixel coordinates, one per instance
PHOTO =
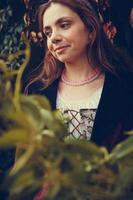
(48, 166)
(32, 27)
(11, 26)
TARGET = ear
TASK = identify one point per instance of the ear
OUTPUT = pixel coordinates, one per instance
(91, 37)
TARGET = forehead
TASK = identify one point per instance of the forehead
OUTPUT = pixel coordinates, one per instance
(57, 11)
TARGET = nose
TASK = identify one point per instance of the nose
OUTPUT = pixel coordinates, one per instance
(56, 37)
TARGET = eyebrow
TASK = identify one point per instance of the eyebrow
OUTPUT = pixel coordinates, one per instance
(58, 21)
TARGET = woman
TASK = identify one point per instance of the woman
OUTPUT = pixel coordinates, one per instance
(82, 74)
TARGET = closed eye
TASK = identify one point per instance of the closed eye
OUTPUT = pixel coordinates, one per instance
(65, 25)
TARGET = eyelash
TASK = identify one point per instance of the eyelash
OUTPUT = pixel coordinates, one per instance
(63, 25)
(47, 33)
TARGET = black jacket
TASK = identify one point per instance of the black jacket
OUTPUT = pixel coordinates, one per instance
(115, 110)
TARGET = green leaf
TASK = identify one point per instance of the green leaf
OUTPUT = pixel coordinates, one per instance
(42, 101)
(122, 150)
(12, 137)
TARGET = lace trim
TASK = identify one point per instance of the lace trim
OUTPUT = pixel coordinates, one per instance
(89, 103)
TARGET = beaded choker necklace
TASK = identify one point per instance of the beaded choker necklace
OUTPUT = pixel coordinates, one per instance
(90, 79)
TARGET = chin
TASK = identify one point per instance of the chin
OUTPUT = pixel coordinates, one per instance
(65, 59)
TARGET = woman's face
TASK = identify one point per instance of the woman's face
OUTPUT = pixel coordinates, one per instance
(67, 36)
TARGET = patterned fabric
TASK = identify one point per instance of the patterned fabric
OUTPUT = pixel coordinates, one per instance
(81, 114)
(80, 123)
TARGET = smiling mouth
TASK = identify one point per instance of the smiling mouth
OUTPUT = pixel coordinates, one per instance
(60, 49)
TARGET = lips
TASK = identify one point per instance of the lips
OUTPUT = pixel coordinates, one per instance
(60, 48)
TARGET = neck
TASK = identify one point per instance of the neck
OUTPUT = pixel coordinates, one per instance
(78, 71)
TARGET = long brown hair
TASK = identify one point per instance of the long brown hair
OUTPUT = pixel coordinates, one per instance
(101, 52)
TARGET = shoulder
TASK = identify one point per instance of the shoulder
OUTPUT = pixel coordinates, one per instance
(121, 85)
(50, 89)
(126, 79)
(123, 78)
(39, 87)
(34, 88)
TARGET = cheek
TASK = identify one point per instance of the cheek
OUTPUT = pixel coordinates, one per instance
(50, 48)
(81, 42)
(80, 37)
(49, 45)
